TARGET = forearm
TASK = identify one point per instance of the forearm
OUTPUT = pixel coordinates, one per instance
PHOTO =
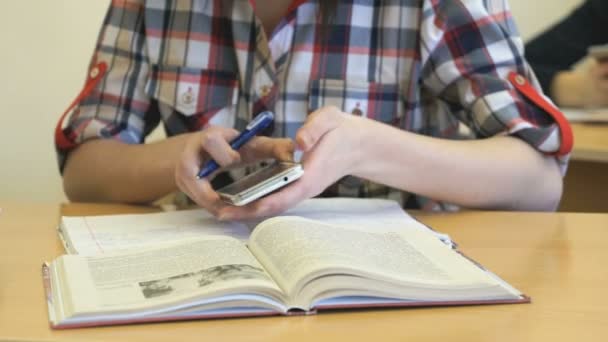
(498, 173)
(111, 171)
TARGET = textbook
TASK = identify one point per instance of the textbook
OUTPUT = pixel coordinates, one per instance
(289, 265)
(91, 235)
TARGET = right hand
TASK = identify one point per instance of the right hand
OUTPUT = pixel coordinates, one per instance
(586, 86)
(596, 94)
(213, 143)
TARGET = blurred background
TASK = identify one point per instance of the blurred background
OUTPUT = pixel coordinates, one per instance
(46, 46)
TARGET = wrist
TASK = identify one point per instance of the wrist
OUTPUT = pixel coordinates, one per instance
(369, 147)
(163, 158)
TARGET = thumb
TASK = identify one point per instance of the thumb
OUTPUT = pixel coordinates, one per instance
(318, 123)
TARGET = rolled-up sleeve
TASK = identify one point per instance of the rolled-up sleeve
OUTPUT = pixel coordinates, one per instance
(469, 49)
(115, 106)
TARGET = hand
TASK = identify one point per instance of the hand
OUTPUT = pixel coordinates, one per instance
(586, 86)
(213, 142)
(330, 140)
(599, 76)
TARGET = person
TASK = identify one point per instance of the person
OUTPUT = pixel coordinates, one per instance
(371, 93)
(554, 53)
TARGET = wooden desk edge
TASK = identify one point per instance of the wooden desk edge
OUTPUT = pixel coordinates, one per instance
(589, 155)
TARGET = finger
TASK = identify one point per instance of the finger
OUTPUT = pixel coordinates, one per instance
(602, 86)
(601, 69)
(317, 125)
(284, 152)
(190, 158)
(215, 142)
(192, 155)
(265, 147)
(598, 72)
(200, 192)
(204, 195)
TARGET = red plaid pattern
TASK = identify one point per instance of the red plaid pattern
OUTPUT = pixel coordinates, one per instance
(423, 66)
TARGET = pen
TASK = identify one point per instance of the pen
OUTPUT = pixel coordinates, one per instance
(258, 124)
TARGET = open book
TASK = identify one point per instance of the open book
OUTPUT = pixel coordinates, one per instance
(92, 235)
(289, 265)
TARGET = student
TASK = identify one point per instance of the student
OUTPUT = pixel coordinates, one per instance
(372, 92)
(554, 52)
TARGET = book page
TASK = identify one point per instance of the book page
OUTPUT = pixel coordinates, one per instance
(92, 235)
(370, 214)
(153, 277)
(291, 248)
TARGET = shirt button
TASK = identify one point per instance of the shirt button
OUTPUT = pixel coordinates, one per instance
(265, 90)
(94, 72)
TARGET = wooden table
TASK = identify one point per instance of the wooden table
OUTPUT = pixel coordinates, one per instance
(586, 184)
(560, 260)
(590, 142)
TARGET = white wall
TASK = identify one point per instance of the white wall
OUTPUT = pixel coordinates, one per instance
(534, 15)
(46, 46)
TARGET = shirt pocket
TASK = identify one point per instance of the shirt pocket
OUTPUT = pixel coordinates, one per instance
(378, 101)
(197, 94)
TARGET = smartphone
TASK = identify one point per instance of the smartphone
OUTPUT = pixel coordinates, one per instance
(260, 183)
(599, 52)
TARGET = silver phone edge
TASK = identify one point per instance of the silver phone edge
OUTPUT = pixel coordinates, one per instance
(264, 188)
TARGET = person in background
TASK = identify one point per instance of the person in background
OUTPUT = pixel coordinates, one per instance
(372, 93)
(554, 53)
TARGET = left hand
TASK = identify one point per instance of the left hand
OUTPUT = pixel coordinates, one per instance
(331, 141)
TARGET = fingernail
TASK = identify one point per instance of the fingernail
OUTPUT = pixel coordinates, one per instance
(297, 155)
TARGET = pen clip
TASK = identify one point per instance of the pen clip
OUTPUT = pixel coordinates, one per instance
(260, 118)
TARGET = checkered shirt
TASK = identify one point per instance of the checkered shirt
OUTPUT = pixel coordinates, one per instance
(425, 66)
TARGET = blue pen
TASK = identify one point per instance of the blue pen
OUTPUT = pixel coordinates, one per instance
(259, 123)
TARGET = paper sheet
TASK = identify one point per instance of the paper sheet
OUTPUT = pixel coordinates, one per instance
(94, 235)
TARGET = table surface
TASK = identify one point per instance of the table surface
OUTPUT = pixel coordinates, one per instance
(559, 259)
(590, 142)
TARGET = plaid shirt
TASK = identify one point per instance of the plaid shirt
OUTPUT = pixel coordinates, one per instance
(425, 66)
